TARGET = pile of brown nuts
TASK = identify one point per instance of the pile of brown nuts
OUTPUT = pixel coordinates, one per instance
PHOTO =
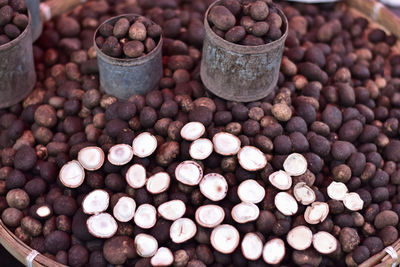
(13, 19)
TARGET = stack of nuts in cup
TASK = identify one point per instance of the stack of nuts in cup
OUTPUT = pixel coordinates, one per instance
(251, 23)
(13, 19)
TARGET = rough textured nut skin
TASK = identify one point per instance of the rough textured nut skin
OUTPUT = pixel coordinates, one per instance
(386, 218)
(349, 239)
(222, 18)
(118, 249)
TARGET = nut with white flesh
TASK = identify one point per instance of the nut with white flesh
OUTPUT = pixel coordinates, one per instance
(158, 183)
(189, 173)
(102, 225)
(182, 230)
(226, 144)
(251, 158)
(209, 216)
(324, 242)
(192, 131)
(95, 202)
(245, 212)
(214, 186)
(124, 210)
(316, 213)
(337, 190)
(274, 251)
(300, 237)
(251, 191)
(163, 257)
(295, 164)
(120, 154)
(136, 176)
(352, 201)
(43, 211)
(91, 158)
(201, 148)
(172, 210)
(252, 246)
(280, 179)
(146, 245)
(303, 193)
(145, 216)
(286, 203)
(72, 174)
(144, 145)
(225, 238)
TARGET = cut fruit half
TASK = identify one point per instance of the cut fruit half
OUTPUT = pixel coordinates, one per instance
(209, 216)
(120, 154)
(214, 186)
(96, 202)
(146, 245)
(303, 193)
(136, 176)
(251, 191)
(192, 130)
(158, 183)
(91, 158)
(316, 213)
(226, 144)
(274, 251)
(124, 210)
(144, 145)
(286, 203)
(225, 238)
(201, 149)
(280, 179)
(251, 158)
(295, 164)
(145, 216)
(102, 225)
(252, 246)
(163, 257)
(172, 210)
(189, 173)
(325, 243)
(72, 174)
(352, 201)
(43, 211)
(182, 230)
(300, 237)
(337, 190)
(245, 212)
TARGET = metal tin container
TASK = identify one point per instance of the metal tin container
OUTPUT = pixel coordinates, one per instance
(124, 77)
(237, 72)
(17, 69)
(37, 26)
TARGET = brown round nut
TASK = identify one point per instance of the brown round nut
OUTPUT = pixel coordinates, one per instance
(118, 249)
(138, 31)
(45, 115)
(349, 239)
(12, 217)
(31, 226)
(222, 18)
(281, 112)
(386, 218)
(259, 10)
(235, 34)
(341, 173)
(121, 27)
(17, 198)
(133, 49)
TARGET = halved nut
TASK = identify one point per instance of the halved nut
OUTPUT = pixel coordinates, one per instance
(136, 176)
(189, 172)
(286, 203)
(295, 164)
(300, 237)
(182, 230)
(158, 183)
(192, 130)
(226, 144)
(280, 179)
(316, 213)
(124, 210)
(252, 246)
(144, 145)
(120, 154)
(209, 216)
(325, 243)
(245, 212)
(303, 193)
(72, 174)
(43, 211)
(225, 238)
(214, 186)
(337, 190)
(163, 257)
(274, 251)
(172, 210)
(251, 158)
(146, 245)
(91, 158)
(95, 202)
(145, 216)
(251, 191)
(201, 149)
(102, 225)
(353, 201)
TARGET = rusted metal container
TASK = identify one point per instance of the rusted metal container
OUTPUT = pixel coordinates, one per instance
(17, 69)
(37, 26)
(125, 77)
(237, 72)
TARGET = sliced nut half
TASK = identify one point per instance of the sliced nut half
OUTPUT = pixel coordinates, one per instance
(252, 246)
(102, 225)
(146, 216)
(182, 230)
(189, 173)
(192, 130)
(316, 213)
(280, 179)
(158, 183)
(286, 203)
(120, 154)
(72, 174)
(146, 245)
(352, 201)
(251, 158)
(245, 212)
(163, 257)
(226, 144)
(214, 186)
(209, 216)
(324, 242)
(144, 145)
(274, 251)
(303, 193)
(95, 202)
(124, 210)
(300, 237)
(91, 158)
(337, 190)
(172, 210)
(251, 191)
(201, 149)
(295, 164)
(225, 238)
(136, 176)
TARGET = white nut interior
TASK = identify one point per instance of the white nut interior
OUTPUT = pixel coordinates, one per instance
(353, 202)
(145, 216)
(209, 216)
(163, 257)
(280, 179)
(136, 176)
(225, 238)
(72, 174)
(303, 193)
(295, 164)
(201, 149)
(120, 154)
(172, 210)
(102, 225)
(182, 230)
(251, 191)
(43, 211)
(274, 251)
(144, 145)
(91, 158)
(124, 210)
(189, 173)
(192, 130)
(146, 245)
(286, 203)
(214, 186)
(337, 190)
(252, 246)
(300, 237)
(158, 183)
(226, 144)
(316, 213)
(95, 202)
(251, 158)
(324, 242)
(245, 212)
